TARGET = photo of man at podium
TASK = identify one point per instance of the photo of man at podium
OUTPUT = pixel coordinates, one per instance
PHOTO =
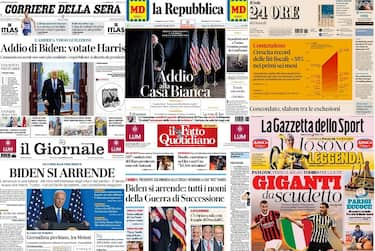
(55, 217)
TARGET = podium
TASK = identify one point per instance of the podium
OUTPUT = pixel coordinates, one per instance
(67, 226)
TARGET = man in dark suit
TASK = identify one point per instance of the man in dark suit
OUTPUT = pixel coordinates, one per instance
(196, 242)
(52, 93)
(209, 243)
(158, 60)
(219, 237)
(56, 213)
(168, 241)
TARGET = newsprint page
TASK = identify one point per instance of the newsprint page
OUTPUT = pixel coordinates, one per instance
(187, 125)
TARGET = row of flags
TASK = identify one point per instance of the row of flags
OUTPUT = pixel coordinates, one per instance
(15, 122)
(37, 205)
(203, 58)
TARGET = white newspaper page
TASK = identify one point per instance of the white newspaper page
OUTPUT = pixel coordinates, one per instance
(186, 58)
(191, 173)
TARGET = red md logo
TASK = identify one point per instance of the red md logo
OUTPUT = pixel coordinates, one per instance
(138, 9)
(239, 9)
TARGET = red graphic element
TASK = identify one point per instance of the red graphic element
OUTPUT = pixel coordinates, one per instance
(135, 133)
(330, 75)
(187, 136)
(8, 146)
(260, 143)
(115, 146)
(137, 9)
(238, 9)
(239, 133)
(307, 229)
(365, 143)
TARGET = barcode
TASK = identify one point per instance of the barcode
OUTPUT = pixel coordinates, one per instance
(301, 30)
(241, 118)
(7, 155)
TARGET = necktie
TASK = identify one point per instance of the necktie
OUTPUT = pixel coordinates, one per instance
(170, 229)
(208, 246)
(58, 216)
(54, 85)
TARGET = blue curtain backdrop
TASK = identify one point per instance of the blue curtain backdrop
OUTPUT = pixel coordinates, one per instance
(76, 73)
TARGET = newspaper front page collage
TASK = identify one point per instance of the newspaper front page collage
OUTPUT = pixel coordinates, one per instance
(166, 125)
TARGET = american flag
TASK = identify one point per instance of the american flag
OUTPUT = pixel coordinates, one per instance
(204, 54)
(178, 222)
(34, 210)
(24, 122)
(215, 54)
(76, 205)
(194, 54)
(178, 225)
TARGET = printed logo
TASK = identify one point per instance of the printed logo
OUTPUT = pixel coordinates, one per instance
(8, 146)
(138, 10)
(135, 133)
(187, 136)
(237, 10)
(292, 234)
(9, 29)
(116, 29)
(365, 143)
(115, 146)
(239, 133)
(260, 143)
